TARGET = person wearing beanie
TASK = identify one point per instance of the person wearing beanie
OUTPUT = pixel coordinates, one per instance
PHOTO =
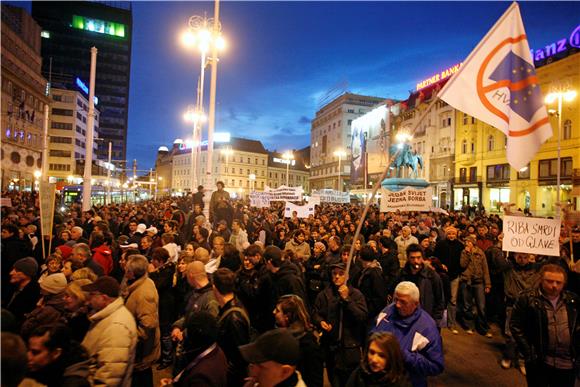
(51, 307)
(26, 290)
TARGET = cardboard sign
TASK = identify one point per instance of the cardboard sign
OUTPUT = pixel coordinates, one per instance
(5, 202)
(284, 193)
(302, 211)
(408, 199)
(531, 235)
(47, 204)
(260, 199)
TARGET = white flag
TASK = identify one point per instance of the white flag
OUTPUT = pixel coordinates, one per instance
(497, 84)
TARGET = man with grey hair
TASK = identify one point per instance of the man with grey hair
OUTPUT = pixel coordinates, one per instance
(142, 300)
(81, 253)
(415, 331)
(76, 236)
(403, 241)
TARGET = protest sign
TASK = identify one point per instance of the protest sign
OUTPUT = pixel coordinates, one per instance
(259, 199)
(301, 211)
(531, 235)
(46, 196)
(407, 199)
(331, 196)
(5, 202)
(284, 193)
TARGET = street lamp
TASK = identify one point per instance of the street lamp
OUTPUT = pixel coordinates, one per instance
(288, 156)
(227, 152)
(560, 95)
(340, 154)
(205, 34)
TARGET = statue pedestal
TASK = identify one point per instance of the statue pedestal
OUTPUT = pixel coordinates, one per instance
(398, 184)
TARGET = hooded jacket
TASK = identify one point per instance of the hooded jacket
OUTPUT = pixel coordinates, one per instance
(421, 360)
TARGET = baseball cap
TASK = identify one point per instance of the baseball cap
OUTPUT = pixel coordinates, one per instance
(338, 265)
(152, 230)
(106, 285)
(141, 228)
(278, 345)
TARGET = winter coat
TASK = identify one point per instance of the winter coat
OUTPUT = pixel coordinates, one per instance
(70, 370)
(239, 240)
(402, 244)
(233, 331)
(302, 250)
(475, 267)
(421, 362)
(288, 280)
(50, 313)
(206, 369)
(373, 287)
(24, 301)
(199, 300)
(518, 279)
(430, 289)
(529, 325)
(449, 253)
(311, 363)
(363, 377)
(111, 342)
(254, 290)
(163, 279)
(142, 300)
(103, 256)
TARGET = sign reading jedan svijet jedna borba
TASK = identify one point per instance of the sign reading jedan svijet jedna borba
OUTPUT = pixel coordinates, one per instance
(407, 199)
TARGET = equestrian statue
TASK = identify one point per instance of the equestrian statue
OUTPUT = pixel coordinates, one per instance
(406, 158)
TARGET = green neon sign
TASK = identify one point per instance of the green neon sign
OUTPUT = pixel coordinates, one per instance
(98, 26)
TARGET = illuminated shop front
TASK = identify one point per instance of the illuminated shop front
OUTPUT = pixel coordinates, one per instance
(466, 195)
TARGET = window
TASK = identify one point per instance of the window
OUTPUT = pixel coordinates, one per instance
(79, 116)
(567, 130)
(60, 140)
(62, 112)
(472, 147)
(465, 118)
(499, 172)
(59, 153)
(490, 143)
(61, 125)
(524, 173)
(464, 147)
(548, 169)
(473, 174)
(462, 175)
(324, 143)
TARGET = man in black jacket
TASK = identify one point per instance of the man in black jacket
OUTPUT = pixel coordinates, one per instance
(286, 277)
(545, 326)
(13, 249)
(449, 253)
(26, 290)
(427, 280)
(371, 284)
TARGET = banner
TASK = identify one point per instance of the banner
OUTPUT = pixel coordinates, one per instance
(284, 193)
(301, 211)
(46, 196)
(408, 199)
(531, 235)
(259, 199)
(5, 202)
(497, 84)
(359, 156)
(331, 196)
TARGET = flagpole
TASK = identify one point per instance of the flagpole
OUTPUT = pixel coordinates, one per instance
(90, 135)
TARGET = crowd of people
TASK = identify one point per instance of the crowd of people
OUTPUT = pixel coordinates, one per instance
(247, 297)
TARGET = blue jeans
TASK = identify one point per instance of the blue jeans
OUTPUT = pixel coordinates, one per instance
(474, 294)
(452, 304)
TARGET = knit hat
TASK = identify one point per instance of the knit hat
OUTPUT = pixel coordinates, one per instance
(27, 266)
(65, 251)
(53, 283)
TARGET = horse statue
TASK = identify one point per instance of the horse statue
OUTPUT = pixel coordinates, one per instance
(406, 158)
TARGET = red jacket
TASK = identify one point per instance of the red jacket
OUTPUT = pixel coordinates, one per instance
(103, 256)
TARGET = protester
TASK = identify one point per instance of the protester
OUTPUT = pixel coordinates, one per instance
(26, 291)
(416, 333)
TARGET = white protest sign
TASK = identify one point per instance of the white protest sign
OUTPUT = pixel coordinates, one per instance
(531, 235)
(5, 202)
(284, 193)
(301, 211)
(332, 196)
(259, 199)
(314, 200)
(407, 199)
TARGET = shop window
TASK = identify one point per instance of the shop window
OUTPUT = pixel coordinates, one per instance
(567, 130)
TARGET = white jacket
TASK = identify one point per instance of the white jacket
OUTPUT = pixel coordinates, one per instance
(111, 342)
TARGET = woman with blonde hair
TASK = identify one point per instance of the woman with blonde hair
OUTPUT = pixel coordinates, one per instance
(76, 309)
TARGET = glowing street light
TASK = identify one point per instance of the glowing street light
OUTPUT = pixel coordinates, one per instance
(560, 95)
(340, 154)
(288, 156)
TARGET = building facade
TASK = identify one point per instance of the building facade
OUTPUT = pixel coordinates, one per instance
(69, 30)
(483, 174)
(296, 168)
(23, 99)
(67, 135)
(331, 132)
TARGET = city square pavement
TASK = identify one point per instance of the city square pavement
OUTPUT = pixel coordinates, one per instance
(470, 360)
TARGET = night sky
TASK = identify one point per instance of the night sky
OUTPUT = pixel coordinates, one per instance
(282, 57)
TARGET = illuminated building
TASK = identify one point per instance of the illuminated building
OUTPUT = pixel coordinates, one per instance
(330, 132)
(298, 171)
(69, 30)
(482, 173)
(23, 99)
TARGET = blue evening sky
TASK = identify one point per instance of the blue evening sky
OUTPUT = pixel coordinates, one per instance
(282, 57)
